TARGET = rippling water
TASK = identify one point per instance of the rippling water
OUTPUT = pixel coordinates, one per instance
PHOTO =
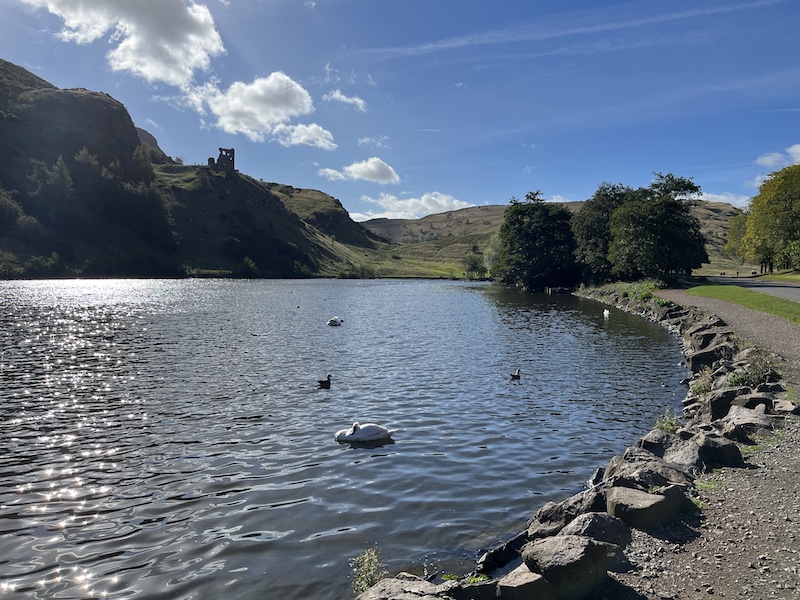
(165, 439)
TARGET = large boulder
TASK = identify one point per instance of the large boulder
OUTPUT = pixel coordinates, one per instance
(574, 565)
(406, 587)
(673, 450)
(700, 359)
(644, 510)
(716, 403)
(741, 423)
(642, 469)
(600, 526)
(524, 584)
(552, 517)
(717, 451)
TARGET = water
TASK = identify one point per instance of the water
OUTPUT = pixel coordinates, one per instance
(165, 439)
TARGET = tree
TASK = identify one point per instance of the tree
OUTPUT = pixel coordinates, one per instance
(536, 245)
(773, 219)
(654, 234)
(590, 225)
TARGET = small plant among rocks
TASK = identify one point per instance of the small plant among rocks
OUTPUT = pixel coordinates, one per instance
(758, 371)
(702, 383)
(368, 569)
(668, 422)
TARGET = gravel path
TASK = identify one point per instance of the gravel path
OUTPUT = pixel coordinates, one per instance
(745, 543)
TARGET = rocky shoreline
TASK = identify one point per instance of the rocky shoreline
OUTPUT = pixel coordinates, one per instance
(619, 537)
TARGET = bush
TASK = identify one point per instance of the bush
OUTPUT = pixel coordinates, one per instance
(367, 570)
(758, 371)
(668, 422)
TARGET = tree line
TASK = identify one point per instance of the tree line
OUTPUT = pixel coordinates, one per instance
(619, 233)
(768, 231)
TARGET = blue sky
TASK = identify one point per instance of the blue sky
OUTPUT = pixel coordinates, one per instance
(405, 108)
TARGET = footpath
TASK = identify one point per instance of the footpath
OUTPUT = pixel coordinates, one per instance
(746, 541)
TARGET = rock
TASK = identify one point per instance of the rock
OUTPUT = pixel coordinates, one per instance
(600, 526)
(740, 423)
(699, 359)
(785, 407)
(501, 555)
(644, 510)
(405, 587)
(524, 584)
(710, 337)
(716, 403)
(640, 468)
(552, 517)
(573, 565)
(753, 400)
(718, 451)
(482, 590)
(673, 450)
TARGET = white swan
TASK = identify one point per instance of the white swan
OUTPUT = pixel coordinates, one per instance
(368, 432)
(606, 313)
(335, 321)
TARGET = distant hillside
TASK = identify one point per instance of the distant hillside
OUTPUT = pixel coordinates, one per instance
(447, 238)
(84, 192)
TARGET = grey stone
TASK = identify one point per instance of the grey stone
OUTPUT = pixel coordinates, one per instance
(600, 526)
(644, 510)
(574, 565)
(553, 516)
(524, 584)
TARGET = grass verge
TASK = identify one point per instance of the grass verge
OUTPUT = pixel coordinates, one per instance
(754, 300)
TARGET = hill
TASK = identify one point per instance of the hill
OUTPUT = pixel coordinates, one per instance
(442, 241)
(84, 192)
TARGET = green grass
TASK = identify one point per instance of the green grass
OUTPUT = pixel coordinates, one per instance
(789, 276)
(754, 300)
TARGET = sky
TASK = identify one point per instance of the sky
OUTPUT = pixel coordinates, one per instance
(403, 108)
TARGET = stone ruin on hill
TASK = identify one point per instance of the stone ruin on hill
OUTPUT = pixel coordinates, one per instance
(225, 160)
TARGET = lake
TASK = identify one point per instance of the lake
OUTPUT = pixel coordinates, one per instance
(166, 439)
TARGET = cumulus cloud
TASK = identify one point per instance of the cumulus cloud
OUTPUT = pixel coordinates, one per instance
(778, 160)
(372, 169)
(170, 41)
(337, 96)
(158, 40)
(409, 208)
(263, 109)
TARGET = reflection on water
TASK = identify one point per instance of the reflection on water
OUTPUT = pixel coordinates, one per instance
(164, 439)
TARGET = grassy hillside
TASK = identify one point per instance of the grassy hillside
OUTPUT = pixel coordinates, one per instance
(438, 244)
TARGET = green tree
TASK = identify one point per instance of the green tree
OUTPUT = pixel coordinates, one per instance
(537, 246)
(653, 232)
(474, 266)
(591, 227)
(773, 219)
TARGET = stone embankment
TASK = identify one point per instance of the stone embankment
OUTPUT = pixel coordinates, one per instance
(570, 547)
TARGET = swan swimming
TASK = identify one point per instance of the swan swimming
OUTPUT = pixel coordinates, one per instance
(606, 313)
(368, 432)
(335, 321)
(325, 383)
(516, 374)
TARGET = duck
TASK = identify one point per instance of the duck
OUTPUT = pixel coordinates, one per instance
(606, 313)
(368, 432)
(516, 374)
(335, 321)
(325, 384)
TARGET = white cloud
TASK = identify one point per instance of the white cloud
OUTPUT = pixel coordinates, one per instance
(372, 169)
(304, 135)
(263, 109)
(375, 142)
(409, 208)
(158, 40)
(734, 199)
(778, 160)
(337, 96)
